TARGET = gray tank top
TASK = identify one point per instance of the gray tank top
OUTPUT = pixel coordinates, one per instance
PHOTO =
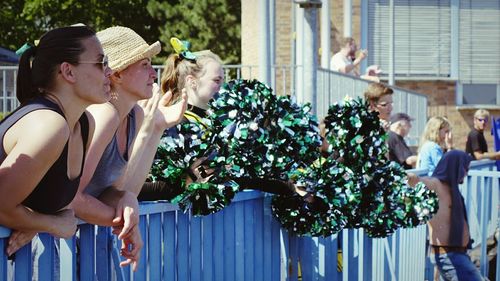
(112, 164)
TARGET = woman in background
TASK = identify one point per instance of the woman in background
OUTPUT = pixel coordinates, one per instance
(435, 140)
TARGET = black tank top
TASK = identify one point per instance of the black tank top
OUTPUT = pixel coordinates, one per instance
(55, 190)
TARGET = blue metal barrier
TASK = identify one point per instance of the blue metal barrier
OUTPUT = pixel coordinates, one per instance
(244, 242)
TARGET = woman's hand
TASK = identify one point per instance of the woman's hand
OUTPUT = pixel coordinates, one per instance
(158, 114)
(448, 141)
(18, 239)
(171, 115)
(198, 172)
(413, 179)
(66, 224)
(131, 248)
(127, 215)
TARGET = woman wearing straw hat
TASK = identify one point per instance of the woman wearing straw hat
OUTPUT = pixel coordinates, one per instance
(126, 137)
(44, 142)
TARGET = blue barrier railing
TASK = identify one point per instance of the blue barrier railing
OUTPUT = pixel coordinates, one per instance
(244, 242)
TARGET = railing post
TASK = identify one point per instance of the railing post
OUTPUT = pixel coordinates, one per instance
(23, 263)
(264, 47)
(103, 252)
(325, 34)
(87, 252)
(310, 51)
(485, 207)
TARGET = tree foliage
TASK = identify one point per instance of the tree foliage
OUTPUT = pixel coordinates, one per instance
(207, 24)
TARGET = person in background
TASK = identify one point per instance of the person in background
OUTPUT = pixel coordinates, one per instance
(45, 141)
(476, 144)
(398, 149)
(126, 137)
(345, 60)
(435, 140)
(379, 98)
(449, 233)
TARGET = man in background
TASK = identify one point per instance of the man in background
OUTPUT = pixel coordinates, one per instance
(345, 60)
(398, 149)
(476, 144)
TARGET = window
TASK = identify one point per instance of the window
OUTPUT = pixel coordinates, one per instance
(422, 39)
(485, 94)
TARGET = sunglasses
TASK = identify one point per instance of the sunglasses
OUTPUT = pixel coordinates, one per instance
(104, 63)
(485, 120)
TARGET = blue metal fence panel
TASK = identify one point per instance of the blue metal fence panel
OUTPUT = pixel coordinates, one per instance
(3, 257)
(154, 247)
(208, 253)
(218, 248)
(267, 246)
(247, 239)
(23, 263)
(239, 240)
(103, 257)
(46, 247)
(87, 252)
(196, 248)
(169, 257)
(229, 244)
(182, 258)
(259, 240)
(141, 272)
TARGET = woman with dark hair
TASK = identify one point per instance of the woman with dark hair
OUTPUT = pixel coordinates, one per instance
(44, 142)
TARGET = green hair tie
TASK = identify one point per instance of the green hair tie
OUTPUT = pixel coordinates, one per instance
(24, 48)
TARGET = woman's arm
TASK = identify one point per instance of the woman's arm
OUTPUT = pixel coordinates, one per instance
(32, 147)
(157, 118)
(103, 123)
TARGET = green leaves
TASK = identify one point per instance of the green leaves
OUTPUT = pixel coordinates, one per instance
(218, 30)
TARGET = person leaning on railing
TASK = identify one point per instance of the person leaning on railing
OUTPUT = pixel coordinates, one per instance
(449, 233)
(125, 139)
(45, 140)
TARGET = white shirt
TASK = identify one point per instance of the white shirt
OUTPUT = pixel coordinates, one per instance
(339, 61)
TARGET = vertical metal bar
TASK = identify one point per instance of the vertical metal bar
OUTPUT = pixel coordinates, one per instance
(455, 39)
(4, 92)
(364, 32)
(264, 46)
(391, 43)
(347, 18)
(325, 34)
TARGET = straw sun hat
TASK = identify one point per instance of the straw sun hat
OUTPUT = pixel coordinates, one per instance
(124, 47)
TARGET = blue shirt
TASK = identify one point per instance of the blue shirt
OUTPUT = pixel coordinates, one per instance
(429, 156)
